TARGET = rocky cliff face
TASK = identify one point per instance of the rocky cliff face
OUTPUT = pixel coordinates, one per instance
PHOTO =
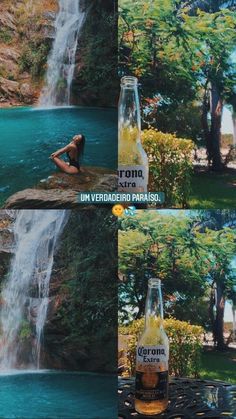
(6, 243)
(80, 332)
(26, 35)
(26, 32)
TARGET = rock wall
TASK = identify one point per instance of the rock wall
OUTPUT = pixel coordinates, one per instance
(26, 32)
(6, 243)
(80, 332)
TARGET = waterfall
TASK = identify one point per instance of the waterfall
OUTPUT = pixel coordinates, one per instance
(61, 61)
(25, 295)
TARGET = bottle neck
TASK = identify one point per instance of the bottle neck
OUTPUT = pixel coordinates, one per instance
(154, 306)
(129, 113)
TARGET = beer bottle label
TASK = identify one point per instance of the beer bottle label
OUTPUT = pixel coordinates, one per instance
(156, 355)
(151, 386)
(151, 373)
(132, 178)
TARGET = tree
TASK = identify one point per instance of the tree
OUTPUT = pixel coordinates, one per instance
(220, 246)
(163, 247)
(192, 254)
(231, 101)
(215, 88)
(170, 46)
(149, 53)
(96, 72)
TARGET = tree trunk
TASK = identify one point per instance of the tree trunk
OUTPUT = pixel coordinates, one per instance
(234, 125)
(215, 132)
(211, 311)
(234, 321)
(205, 110)
(219, 321)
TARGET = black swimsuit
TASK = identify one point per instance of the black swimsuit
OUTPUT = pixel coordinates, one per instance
(73, 162)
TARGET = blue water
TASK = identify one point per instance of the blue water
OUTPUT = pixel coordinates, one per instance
(28, 136)
(58, 395)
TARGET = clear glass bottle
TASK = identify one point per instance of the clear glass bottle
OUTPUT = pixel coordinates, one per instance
(132, 159)
(151, 386)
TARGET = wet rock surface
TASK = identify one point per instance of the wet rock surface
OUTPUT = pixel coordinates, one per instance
(90, 178)
(6, 242)
(61, 190)
(36, 199)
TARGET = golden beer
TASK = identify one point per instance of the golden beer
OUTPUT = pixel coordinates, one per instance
(133, 168)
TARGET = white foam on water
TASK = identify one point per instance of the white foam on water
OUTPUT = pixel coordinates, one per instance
(25, 294)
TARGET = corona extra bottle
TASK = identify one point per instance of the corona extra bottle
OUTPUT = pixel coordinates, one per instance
(133, 161)
(151, 392)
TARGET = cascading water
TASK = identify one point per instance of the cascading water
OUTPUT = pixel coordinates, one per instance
(25, 295)
(61, 61)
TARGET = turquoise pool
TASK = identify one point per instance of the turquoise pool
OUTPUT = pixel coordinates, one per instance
(28, 136)
(58, 395)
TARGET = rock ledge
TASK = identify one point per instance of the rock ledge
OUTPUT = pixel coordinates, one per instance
(61, 190)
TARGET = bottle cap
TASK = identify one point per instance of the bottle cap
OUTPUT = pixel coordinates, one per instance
(129, 81)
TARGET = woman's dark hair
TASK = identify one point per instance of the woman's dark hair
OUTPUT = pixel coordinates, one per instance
(80, 147)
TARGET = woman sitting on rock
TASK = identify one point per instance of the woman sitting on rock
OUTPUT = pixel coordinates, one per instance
(74, 151)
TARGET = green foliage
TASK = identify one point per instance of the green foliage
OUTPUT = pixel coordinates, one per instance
(170, 37)
(165, 247)
(183, 118)
(190, 253)
(34, 57)
(6, 36)
(34, 47)
(11, 77)
(177, 52)
(25, 331)
(185, 346)
(170, 165)
(97, 77)
(61, 84)
(86, 260)
(227, 140)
